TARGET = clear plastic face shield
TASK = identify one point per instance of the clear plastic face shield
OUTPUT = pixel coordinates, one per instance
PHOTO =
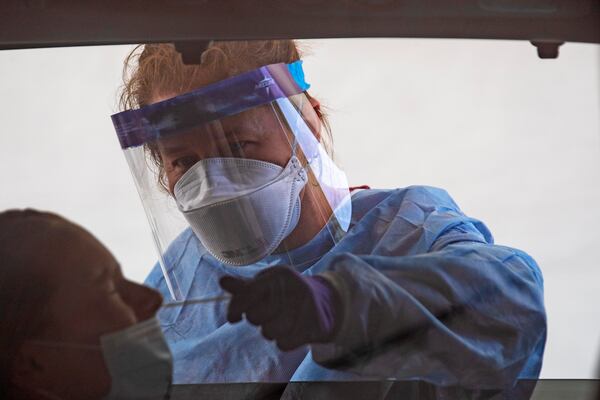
(237, 169)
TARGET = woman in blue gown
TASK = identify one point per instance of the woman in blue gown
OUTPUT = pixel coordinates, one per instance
(390, 284)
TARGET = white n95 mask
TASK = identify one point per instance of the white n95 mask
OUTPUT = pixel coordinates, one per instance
(241, 209)
(139, 362)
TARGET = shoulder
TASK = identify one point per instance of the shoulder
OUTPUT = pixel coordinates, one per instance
(425, 209)
(427, 196)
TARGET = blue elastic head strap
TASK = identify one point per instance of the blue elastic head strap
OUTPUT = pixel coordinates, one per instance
(297, 73)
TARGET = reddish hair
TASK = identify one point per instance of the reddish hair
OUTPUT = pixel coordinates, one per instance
(153, 70)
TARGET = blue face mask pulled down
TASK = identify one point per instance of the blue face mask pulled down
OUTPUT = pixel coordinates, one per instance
(241, 209)
(139, 362)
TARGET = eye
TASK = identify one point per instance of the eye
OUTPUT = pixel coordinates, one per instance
(238, 147)
(185, 163)
(111, 288)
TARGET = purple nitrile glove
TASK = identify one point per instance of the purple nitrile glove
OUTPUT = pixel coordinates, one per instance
(290, 308)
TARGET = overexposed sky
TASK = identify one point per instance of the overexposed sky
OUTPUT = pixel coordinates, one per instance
(514, 139)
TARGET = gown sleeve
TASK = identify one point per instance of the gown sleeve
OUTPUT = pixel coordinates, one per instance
(459, 311)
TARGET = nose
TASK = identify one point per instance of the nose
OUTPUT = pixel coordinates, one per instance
(144, 301)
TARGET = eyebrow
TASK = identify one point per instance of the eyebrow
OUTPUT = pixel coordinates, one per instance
(105, 273)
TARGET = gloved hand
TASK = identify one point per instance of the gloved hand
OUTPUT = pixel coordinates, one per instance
(290, 308)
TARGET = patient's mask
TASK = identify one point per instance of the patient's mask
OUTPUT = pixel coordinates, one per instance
(232, 169)
(139, 362)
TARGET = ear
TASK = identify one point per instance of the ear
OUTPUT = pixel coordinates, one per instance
(316, 105)
(28, 368)
(313, 117)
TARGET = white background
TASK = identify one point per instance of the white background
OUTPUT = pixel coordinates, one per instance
(514, 139)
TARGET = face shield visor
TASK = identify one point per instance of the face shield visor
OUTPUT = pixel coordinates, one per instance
(241, 164)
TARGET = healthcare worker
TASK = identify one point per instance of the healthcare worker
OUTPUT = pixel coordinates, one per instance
(231, 157)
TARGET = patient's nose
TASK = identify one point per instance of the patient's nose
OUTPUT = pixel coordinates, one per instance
(144, 301)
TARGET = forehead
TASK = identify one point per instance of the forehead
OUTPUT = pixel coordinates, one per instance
(76, 256)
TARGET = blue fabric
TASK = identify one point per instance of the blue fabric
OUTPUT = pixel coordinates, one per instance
(409, 255)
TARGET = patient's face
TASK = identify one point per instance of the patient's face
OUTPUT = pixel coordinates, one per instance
(91, 298)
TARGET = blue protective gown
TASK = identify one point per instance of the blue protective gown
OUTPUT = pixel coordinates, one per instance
(427, 296)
